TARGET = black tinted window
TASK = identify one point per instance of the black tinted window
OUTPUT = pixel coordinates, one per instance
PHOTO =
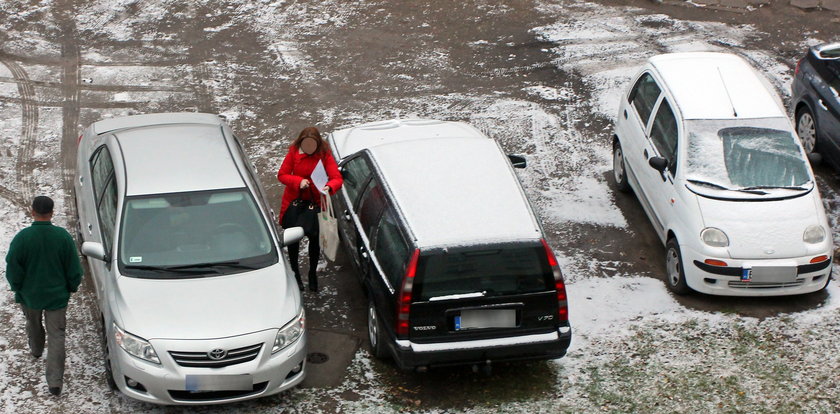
(493, 270)
(371, 206)
(391, 249)
(356, 171)
(643, 96)
(663, 133)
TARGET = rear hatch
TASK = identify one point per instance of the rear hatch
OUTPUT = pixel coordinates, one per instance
(482, 292)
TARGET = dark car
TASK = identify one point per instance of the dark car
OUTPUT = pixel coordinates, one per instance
(451, 255)
(816, 102)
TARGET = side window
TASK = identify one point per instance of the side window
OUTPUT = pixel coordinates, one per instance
(105, 193)
(107, 210)
(390, 248)
(371, 205)
(663, 133)
(101, 168)
(356, 171)
(643, 96)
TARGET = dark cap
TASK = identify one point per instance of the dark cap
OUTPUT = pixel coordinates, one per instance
(42, 205)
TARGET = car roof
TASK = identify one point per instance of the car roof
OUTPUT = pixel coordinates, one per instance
(709, 85)
(172, 158)
(452, 190)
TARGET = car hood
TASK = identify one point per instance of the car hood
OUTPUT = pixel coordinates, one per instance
(202, 308)
(762, 229)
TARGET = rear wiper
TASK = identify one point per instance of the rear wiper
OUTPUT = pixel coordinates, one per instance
(459, 296)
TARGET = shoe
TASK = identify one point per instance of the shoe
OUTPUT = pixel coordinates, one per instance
(34, 355)
(55, 390)
(313, 288)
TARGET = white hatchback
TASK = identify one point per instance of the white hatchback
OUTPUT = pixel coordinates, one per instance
(706, 145)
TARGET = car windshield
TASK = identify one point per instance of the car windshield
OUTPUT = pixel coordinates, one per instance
(484, 271)
(193, 234)
(745, 155)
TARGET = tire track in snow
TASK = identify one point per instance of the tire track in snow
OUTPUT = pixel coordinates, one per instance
(71, 96)
(29, 127)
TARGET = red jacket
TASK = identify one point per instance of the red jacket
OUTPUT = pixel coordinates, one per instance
(296, 166)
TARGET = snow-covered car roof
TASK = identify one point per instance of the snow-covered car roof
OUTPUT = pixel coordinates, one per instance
(173, 158)
(452, 183)
(710, 85)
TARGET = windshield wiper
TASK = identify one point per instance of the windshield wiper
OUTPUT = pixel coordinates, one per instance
(706, 183)
(174, 269)
(232, 263)
(750, 190)
(773, 187)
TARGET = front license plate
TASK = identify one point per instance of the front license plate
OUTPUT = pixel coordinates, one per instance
(486, 318)
(773, 274)
(198, 383)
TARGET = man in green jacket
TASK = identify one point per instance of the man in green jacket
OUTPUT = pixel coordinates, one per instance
(43, 268)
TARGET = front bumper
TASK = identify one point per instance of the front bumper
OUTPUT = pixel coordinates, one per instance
(167, 383)
(410, 355)
(727, 280)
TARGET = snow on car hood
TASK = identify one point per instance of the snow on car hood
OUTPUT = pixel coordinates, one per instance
(212, 307)
(755, 228)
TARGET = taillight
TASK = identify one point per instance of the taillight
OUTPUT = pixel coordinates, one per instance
(404, 298)
(80, 139)
(796, 71)
(559, 284)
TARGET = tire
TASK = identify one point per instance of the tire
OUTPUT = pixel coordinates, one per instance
(106, 359)
(806, 129)
(620, 168)
(375, 334)
(674, 271)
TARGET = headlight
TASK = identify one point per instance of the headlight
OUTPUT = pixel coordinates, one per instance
(714, 237)
(814, 234)
(135, 346)
(290, 333)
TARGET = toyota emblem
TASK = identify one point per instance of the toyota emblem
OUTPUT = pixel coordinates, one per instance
(217, 354)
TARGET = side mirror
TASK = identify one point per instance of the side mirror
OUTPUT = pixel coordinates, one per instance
(815, 158)
(292, 235)
(659, 164)
(517, 161)
(94, 250)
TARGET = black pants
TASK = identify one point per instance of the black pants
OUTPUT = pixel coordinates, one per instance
(314, 255)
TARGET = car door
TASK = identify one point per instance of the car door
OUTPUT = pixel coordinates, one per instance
(104, 186)
(663, 134)
(390, 255)
(356, 173)
(636, 115)
(829, 104)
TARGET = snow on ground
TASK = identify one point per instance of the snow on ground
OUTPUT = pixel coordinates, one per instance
(635, 348)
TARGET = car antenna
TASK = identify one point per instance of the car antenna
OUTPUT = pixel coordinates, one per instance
(728, 96)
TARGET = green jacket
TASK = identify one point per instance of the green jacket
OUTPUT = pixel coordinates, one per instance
(42, 266)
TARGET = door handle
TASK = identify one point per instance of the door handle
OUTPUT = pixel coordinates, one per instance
(347, 215)
(625, 114)
(81, 180)
(90, 228)
(363, 252)
(822, 104)
(646, 153)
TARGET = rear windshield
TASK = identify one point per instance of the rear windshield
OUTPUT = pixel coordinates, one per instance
(485, 271)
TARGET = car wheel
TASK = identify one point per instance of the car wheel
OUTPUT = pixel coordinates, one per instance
(806, 128)
(375, 334)
(106, 351)
(674, 269)
(619, 168)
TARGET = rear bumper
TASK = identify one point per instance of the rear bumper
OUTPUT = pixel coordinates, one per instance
(551, 345)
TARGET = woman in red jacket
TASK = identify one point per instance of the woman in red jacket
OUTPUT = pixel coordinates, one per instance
(295, 173)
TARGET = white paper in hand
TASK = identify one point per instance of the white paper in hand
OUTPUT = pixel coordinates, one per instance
(319, 177)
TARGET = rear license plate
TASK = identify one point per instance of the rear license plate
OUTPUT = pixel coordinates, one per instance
(486, 318)
(199, 383)
(773, 274)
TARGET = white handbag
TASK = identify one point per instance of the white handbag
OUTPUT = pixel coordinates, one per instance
(328, 229)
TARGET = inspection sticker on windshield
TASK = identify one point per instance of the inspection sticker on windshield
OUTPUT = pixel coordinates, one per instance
(135, 259)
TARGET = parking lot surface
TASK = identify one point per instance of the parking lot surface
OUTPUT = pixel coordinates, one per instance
(541, 77)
